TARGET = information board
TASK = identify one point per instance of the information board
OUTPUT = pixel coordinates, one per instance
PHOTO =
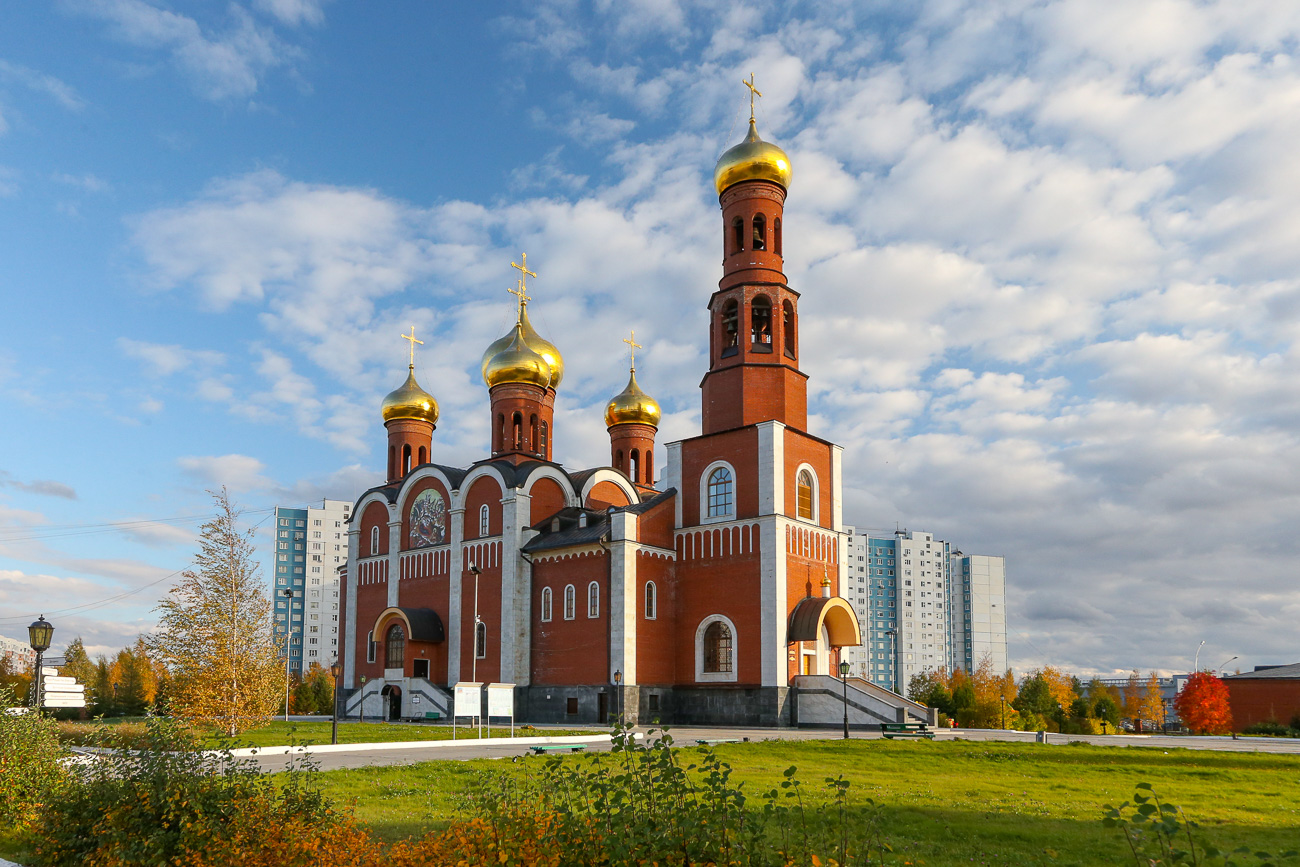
(501, 699)
(467, 700)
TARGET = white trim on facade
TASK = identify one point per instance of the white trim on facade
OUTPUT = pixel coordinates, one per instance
(705, 518)
(702, 676)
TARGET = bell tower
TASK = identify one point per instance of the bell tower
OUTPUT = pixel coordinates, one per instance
(754, 373)
(410, 414)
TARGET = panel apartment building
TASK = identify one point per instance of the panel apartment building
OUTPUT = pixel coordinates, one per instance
(310, 547)
(922, 606)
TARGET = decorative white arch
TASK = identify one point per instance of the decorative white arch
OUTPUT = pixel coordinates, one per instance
(565, 483)
(704, 493)
(608, 474)
(473, 476)
(409, 483)
(816, 493)
(702, 676)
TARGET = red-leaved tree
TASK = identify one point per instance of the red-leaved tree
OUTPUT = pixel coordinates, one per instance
(1203, 705)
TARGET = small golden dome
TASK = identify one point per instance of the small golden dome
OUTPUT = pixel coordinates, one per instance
(518, 362)
(632, 406)
(752, 160)
(410, 402)
(535, 342)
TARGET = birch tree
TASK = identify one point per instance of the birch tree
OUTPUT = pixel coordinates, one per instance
(216, 634)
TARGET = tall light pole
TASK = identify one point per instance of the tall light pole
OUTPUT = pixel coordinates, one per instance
(618, 695)
(1004, 712)
(893, 661)
(844, 681)
(39, 635)
(1219, 670)
(473, 667)
(335, 670)
(1196, 666)
(288, 618)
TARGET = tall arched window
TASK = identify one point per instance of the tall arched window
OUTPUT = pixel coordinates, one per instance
(760, 232)
(593, 599)
(570, 601)
(532, 432)
(737, 235)
(517, 434)
(424, 456)
(499, 435)
(546, 604)
(635, 466)
(760, 318)
(395, 647)
(374, 541)
(650, 466)
(730, 327)
(480, 640)
(720, 493)
(787, 330)
(651, 601)
(776, 236)
(392, 462)
(370, 646)
(717, 648)
(542, 439)
(618, 460)
(804, 490)
(484, 520)
(406, 459)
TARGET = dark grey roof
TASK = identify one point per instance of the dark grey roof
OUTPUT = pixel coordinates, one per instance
(426, 625)
(646, 505)
(569, 533)
(1279, 672)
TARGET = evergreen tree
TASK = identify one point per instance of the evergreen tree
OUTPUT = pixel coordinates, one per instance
(216, 636)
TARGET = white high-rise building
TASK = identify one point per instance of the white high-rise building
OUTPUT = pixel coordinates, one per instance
(310, 547)
(922, 607)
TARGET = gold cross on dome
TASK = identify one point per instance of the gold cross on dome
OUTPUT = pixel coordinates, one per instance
(521, 293)
(633, 346)
(411, 337)
(524, 275)
(753, 92)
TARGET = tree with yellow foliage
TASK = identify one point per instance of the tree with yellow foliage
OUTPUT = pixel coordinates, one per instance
(215, 633)
(1152, 706)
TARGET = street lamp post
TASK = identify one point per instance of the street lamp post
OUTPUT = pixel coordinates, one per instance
(844, 681)
(618, 695)
(1196, 666)
(893, 661)
(288, 618)
(473, 666)
(1004, 712)
(1223, 664)
(335, 670)
(39, 635)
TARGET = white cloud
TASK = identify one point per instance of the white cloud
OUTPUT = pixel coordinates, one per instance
(165, 359)
(295, 12)
(240, 473)
(41, 83)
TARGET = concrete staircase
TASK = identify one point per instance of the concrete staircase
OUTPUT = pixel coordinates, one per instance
(820, 701)
(368, 702)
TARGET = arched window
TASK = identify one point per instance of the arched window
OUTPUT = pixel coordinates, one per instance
(517, 436)
(406, 459)
(374, 541)
(651, 601)
(760, 232)
(649, 466)
(424, 456)
(720, 501)
(618, 460)
(546, 604)
(480, 640)
(635, 471)
(395, 647)
(593, 599)
(532, 432)
(542, 440)
(760, 319)
(570, 601)
(484, 520)
(776, 236)
(370, 646)
(787, 330)
(392, 462)
(730, 327)
(737, 235)
(717, 648)
(499, 435)
(804, 488)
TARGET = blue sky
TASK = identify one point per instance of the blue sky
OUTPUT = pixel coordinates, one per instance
(1047, 252)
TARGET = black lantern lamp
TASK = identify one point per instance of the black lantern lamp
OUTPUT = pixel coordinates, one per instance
(39, 635)
(335, 671)
(844, 680)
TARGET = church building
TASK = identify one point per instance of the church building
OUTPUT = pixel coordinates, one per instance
(595, 591)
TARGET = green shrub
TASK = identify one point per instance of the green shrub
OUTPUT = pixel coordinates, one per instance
(1272, 728)
(31, 766)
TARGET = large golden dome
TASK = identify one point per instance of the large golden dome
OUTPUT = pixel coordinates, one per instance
(752, 160)
(536, 342)
(410, 402)
(517, 362)
(632, 406)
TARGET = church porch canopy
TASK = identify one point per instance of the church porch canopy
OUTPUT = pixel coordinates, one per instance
(422, 624)
(814, 612)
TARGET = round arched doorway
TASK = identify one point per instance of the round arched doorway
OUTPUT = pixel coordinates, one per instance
(392, 695)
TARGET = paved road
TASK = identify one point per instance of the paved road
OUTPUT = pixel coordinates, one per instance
(361, 756)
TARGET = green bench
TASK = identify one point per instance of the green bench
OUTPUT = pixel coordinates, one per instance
(906, 730)
(432, 716)
(708, 742)
(542, 749)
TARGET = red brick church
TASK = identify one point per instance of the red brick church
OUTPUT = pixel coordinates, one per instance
(699, 599)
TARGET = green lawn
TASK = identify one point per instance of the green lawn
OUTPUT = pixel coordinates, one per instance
(950, 802)
(278, 733)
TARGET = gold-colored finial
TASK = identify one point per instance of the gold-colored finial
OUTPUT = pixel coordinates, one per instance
(523, 276)
(411, 337)
(522, 294)
(753, 92)
(633, 346)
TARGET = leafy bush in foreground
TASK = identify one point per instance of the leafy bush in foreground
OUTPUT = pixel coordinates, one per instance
(30, 762)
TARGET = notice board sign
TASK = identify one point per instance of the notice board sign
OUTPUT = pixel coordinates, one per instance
(468, 699)
(501, 699)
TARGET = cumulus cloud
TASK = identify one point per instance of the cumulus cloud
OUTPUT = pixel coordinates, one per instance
(240, 473)
(41, 487)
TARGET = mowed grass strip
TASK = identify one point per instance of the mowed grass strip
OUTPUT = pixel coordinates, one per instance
(280, 733)
(946, 802)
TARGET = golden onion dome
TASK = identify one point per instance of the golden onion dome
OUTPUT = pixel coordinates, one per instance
(632, 406)
(518, 362)
(410, 402)
(536, 342)
(752, 160)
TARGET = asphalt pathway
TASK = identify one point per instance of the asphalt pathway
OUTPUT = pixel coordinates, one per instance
(272, 759)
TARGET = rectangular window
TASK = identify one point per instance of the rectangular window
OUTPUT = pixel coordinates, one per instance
(571, 705)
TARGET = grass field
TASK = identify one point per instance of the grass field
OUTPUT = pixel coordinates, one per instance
(945, 803)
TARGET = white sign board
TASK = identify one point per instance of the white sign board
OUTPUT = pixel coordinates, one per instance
(469, 700)
(46, 671)
(501, 699)
(64, 701)
(61, 682)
